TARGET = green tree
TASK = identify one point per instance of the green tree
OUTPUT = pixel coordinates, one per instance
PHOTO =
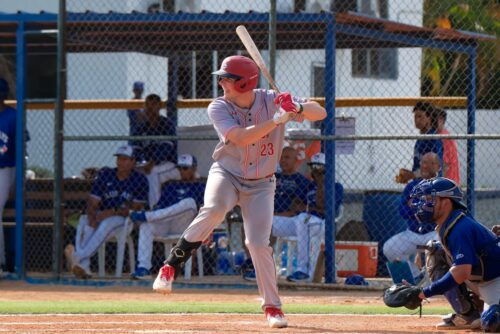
(445, 73)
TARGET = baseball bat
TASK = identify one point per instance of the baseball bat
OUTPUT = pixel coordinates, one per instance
(254, 53)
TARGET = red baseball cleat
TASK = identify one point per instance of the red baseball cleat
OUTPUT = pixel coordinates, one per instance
(275, 317)
(163, 282)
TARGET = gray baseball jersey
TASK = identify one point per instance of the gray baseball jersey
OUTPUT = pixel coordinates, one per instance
(256, 160)
(244, 175)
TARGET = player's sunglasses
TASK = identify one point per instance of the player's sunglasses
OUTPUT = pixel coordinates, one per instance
(183, 167)
(229, 78)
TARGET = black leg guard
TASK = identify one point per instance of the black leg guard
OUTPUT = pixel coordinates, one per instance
(437, 266)
(180, 254)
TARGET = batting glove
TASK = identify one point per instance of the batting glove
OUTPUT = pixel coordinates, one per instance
(138, 217)
(284, 100)
(281, 116)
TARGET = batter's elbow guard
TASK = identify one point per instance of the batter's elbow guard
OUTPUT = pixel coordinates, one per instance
(180, 253)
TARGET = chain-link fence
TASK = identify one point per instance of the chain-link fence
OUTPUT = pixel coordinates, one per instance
(383, 58)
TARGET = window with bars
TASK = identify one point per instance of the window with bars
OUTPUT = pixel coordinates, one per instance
(372, 63)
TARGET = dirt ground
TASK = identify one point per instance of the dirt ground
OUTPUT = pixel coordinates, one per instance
(201, 323)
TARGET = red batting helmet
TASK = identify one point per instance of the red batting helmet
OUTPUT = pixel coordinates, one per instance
(242, 69)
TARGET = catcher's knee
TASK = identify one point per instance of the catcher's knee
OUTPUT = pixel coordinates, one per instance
(490, 319)
(180, 253)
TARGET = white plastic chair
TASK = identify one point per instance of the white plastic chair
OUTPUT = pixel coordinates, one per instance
(173, 238)
(123, 238)
(292, 245)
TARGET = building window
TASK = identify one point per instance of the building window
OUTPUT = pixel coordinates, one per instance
(374, 63)
(318, 79)
(197, 83)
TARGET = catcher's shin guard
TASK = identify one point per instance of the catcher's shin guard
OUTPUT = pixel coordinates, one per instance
(437, 266)
(180, 254)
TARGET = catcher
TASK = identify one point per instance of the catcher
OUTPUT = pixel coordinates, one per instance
(468, 256)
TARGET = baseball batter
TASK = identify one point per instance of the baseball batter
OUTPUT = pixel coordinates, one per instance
(250, 124)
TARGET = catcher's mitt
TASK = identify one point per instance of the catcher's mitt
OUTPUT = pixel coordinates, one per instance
(403, 295)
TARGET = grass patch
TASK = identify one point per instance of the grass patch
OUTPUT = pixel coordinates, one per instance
(41, 307)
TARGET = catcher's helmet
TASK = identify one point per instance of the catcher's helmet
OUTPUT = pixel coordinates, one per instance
(436, 187)
(242, 69)
(4, 89)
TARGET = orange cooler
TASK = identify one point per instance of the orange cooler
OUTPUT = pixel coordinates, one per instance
(356, 257)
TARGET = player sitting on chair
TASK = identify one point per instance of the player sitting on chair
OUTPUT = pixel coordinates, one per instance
(470, 255)
(400, 248)
(114, 193)
(308, 224)
(178, 205)
(157, 158)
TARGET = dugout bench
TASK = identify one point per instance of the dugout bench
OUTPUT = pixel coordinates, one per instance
(39, 220)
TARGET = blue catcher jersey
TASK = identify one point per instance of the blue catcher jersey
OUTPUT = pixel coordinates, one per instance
(289, 187)
(8, 137)
(156, 150)
(174, 192)
(409, 215)
(426, 146)
(113, 193)
(470, 242)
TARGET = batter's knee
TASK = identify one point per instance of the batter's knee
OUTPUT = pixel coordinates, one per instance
(215, 212)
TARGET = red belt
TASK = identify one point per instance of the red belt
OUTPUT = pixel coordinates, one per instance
(265, 177)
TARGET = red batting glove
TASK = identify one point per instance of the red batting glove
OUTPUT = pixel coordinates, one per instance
(284, 100)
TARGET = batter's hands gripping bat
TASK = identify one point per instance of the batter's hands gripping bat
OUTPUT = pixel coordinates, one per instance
(254, 52)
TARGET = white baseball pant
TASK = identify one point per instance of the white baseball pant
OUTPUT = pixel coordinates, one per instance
(489, 292)
(256, 199)
(160, 174)
(162, 222)
(88, 239)
(305, 227)
(404, 245)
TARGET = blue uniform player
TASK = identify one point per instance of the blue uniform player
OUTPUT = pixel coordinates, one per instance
(423, 113)
(7, 156)
(291, 186)
(157, 157)
(308, 224)
(400, 248)
(177, 207)
(471, 250)
(114, 193)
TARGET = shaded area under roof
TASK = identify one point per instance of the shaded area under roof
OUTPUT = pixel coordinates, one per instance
(162, 33)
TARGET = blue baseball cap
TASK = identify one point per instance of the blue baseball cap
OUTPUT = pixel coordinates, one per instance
(355, 280)
(139, 85)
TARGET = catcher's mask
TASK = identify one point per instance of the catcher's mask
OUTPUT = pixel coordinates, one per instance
(423, 197)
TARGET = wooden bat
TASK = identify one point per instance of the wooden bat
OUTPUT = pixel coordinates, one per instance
(254, 53)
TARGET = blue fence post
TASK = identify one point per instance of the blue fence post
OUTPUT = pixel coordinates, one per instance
(330, 228)
(471, 128)
(20, 147)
